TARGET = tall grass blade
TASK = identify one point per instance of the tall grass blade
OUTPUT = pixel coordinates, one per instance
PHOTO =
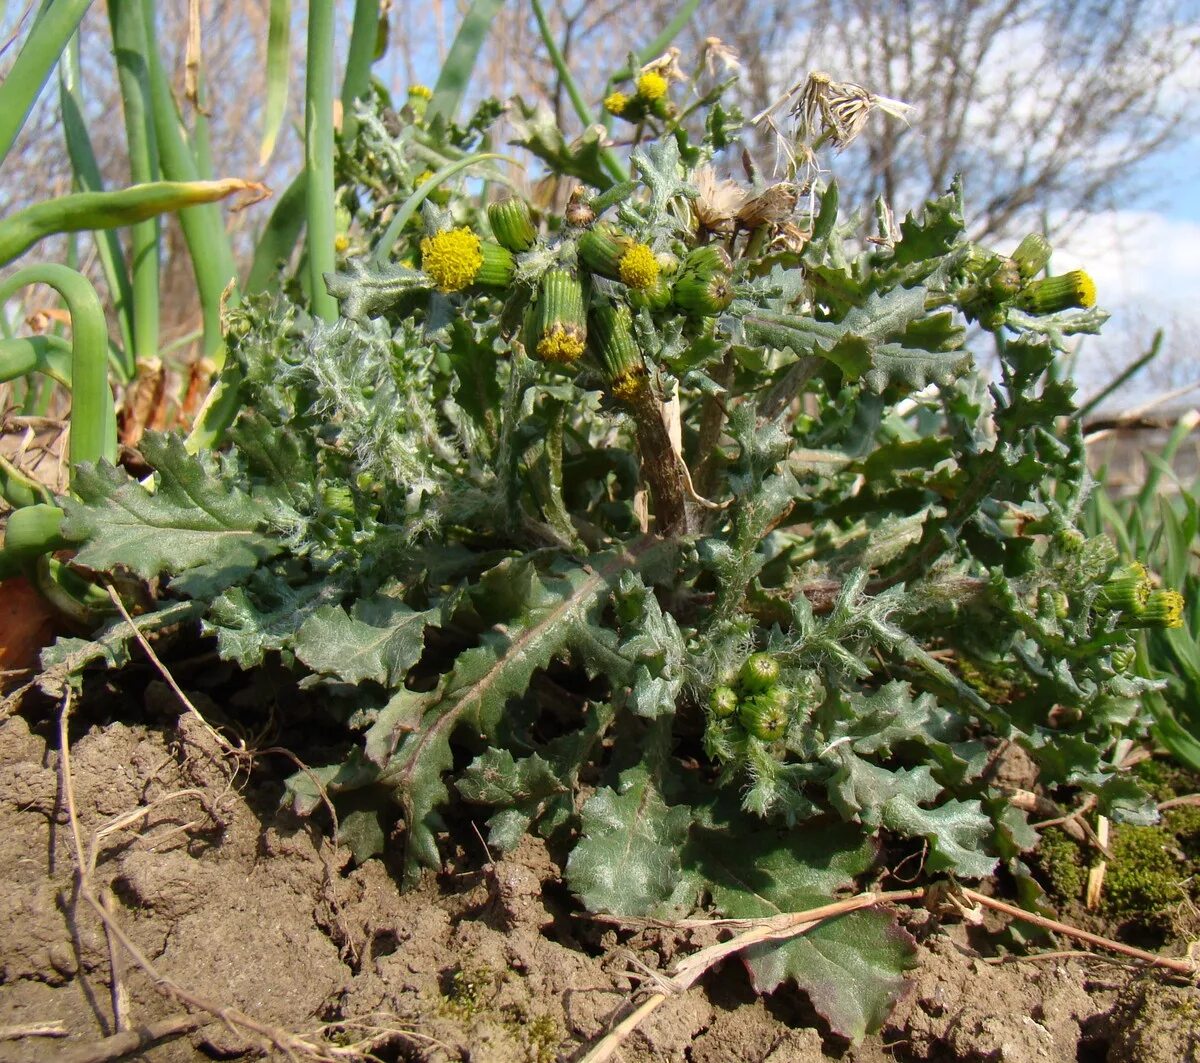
(460, 60)
(49, 355)
(279, 237)
(87, 179)
(1148, 495)
(356, 82)
(128, 38)
(609, 160)
(279, 56)
(93, 422)
(47, 40)
(203, 227)
(84, 211)
(318, 156)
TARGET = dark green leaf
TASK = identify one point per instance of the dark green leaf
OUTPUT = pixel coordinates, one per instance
(193, 517)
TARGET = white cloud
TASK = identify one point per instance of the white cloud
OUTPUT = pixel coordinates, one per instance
(1137, 255)
(1146, 265)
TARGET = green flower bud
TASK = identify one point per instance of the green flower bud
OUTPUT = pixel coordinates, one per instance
(1126, 590)
(1123, 658)
(601, 249)
(1052, 294)
(559, 323)
(418, 99)
(498, 266)
(760, 671)
(1032, 255)
(338, 500)
(611, 336)
(608, 252)
(723, 702)
(704, 286)
(1069, 541)
(766, 715)
(655, 298)
(709, 259)
(512, 224)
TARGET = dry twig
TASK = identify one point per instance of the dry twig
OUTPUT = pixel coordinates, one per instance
(687, 971)
(280, 1039)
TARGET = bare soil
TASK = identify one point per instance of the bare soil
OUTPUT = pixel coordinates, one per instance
(238, 905)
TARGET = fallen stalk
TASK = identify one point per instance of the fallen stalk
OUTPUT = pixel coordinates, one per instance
(1184, 967)
(687, 972)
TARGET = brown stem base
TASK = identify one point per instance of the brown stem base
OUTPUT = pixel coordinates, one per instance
(662, 465)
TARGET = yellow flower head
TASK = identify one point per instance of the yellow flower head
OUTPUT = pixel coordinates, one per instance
(1086, 287)
(1049, 295)
(341, 242)
(616, 102)
(1165, 608)
(561, 343)
(627, 385)
(421, 92)
(651, 86)
(638, 267)
(452, 258)
(422, 177)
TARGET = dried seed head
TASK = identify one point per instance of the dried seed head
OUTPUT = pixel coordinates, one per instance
(770, 207)
(821, 109)
(717, 201)
(666, 66)
(717, 52)
(579, 210)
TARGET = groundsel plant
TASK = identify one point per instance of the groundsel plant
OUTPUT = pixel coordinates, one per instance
(677, 527)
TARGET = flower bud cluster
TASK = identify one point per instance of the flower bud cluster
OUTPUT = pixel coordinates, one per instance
(762, 704)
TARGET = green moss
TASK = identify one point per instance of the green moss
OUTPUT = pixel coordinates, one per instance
(1144, 876)
(543, 1036)
(1062, 862)
(470, 990)
(1159, 777)
(1184, 822)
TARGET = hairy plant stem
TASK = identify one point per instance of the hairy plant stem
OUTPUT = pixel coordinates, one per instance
(712, 419)
(662, 465)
